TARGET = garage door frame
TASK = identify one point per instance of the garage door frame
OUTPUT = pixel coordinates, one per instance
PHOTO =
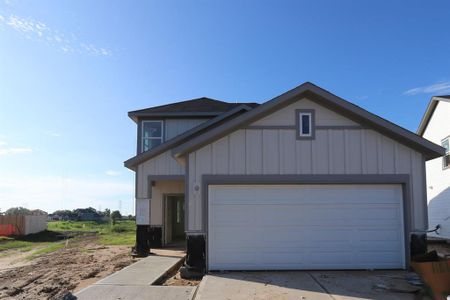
(402, 179)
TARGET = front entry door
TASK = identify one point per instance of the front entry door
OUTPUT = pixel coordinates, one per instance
(175, 216)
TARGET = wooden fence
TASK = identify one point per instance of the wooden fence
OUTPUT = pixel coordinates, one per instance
(22, 224)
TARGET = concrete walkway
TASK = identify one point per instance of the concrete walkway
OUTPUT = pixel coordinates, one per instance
(144, 272)
(295, 285)
(135, 282)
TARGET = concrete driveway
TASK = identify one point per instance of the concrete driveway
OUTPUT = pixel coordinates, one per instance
(318, 285)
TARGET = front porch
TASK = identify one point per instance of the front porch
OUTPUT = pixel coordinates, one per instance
(161, 216)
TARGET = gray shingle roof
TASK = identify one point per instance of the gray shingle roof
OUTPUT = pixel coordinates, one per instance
(201, 106)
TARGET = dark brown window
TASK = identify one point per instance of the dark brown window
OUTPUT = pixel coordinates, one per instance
(446, 158)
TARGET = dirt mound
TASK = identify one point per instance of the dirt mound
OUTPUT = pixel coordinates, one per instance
(55, 275)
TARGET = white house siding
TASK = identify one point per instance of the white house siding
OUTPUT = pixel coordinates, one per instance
(438, 180)
(163, 164)
(174, 127)
(333, 151)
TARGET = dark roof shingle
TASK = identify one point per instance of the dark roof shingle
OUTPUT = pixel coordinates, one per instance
(204, 106)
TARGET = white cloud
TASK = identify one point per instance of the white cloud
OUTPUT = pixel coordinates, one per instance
(112, 173)
(6, 151)
(11, 150)
(37, 30)
(52, 133)
(52, 193)
(437, 88)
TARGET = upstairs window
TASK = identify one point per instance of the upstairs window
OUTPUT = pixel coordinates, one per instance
(152, 134)
(305, 123)
(446, 159)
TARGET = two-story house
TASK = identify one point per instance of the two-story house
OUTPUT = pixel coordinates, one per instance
(306, 180)
(435, 126)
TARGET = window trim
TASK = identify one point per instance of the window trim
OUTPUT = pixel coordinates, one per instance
(447, 153)
(312, 122)
(151, 138)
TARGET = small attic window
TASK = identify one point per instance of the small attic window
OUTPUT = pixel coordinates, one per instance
(305, 124)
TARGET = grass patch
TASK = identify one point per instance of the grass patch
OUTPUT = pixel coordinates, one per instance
(29, 242)
(122, 233)
(77, 226)
(125, 239)
(47, 249)
(13, 244)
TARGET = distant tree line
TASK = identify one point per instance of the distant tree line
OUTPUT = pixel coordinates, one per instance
(79, 214)
(23, 211)
(87, 214)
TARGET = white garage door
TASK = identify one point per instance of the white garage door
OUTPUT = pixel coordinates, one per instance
(276, 227)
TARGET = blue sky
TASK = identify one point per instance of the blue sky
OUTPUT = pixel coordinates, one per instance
(71, 70)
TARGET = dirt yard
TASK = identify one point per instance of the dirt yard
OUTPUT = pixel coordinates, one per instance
(80, 262)
(176, 280)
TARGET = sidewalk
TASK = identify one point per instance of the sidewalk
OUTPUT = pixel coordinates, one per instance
(135, 282)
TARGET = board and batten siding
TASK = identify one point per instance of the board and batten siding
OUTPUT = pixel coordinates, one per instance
(149, 211)
(163, 164)
(174, 127)
(255, 151)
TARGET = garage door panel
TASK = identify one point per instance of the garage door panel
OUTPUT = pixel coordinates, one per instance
(376, 212)
(387, 235)
(305, 227)
(275, 257)
(335, 257)
(281, 215)
(284, 233)
(224, 237)
(245, 257)
(239, 215)
(379, 257)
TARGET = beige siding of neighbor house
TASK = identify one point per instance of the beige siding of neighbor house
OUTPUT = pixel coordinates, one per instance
(174, 127)
(25, 224)
(338, 150)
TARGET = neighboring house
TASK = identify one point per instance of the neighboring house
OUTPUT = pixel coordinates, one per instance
(306, 180)
(87, 214)
(53, 217)
(435, 126)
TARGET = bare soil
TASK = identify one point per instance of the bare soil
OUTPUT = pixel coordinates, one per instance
(51, 276)
(174, 277)
(176, 280)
